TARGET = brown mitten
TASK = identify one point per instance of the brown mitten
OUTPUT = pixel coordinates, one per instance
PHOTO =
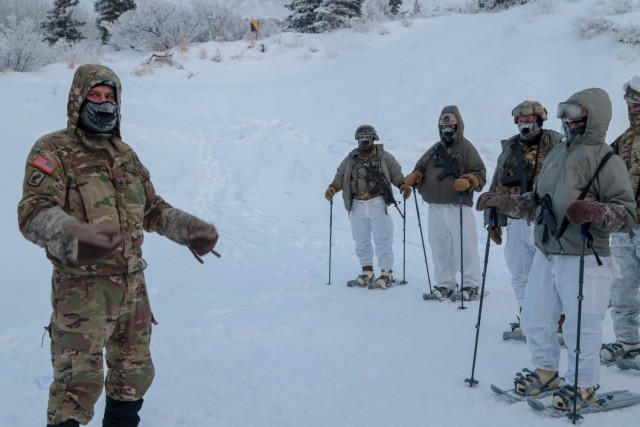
(461, 184)
(414, 178)
(201, 236)
(583, 211)
(94, 241)
(331, 191)
(496, 234)
(405, 190)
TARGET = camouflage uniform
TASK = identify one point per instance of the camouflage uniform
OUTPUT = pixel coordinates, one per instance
(625, 247)
(74, 176)
(517, 167)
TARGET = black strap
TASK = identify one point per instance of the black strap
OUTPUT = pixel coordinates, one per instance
(565, 220)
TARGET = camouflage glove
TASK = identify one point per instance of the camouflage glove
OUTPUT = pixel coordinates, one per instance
(405, 190)
(583, 211)
(201, 237)
(414, 178)
(496, 234)
(499, 201)
(89, 243)
(331, 191)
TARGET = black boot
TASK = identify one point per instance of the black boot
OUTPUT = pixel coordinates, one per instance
(67, 423)
(121, 413)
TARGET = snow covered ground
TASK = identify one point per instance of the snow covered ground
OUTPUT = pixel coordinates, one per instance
(250, 141)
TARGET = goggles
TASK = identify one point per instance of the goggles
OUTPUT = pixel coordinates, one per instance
(571, 112)
(523, 110)
(447, 119)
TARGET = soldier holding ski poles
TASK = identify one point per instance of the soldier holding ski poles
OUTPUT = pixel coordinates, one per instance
(587, 195)
(446, 176)
(365, 177)
(517, 167)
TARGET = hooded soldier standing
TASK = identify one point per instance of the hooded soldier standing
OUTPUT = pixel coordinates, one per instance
(517, 167)
(365, 177)
(625, 247)
(447, 175)
(87, 199)
(581, 181)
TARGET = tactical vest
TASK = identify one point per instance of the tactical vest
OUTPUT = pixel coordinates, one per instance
(523, 164)
(365, 178)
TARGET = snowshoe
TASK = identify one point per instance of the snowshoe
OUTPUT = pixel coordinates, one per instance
(528, 383)
(470, 293)
(563, 399)
(385, 280)
(365, 278)
(619, 350)
(516, 333)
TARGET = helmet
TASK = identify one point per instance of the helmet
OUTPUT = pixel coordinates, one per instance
(632, 90)
(366, 130)
(526, 108)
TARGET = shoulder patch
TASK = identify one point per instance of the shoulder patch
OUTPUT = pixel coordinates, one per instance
(36, 178)
(44, 165)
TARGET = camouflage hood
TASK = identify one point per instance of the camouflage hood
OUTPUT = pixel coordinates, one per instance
(598, 105)
(86, 77)
(459, 135)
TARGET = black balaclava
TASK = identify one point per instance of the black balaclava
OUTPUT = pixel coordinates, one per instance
(98, 117)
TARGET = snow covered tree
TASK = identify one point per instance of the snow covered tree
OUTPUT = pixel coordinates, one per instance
(217, 22)
(22, 48)
(109, 11)
(336, 14)
(60, 25)
(394, 6)
(303, 17)
(34, 9)
(417, 8)
(154, 25)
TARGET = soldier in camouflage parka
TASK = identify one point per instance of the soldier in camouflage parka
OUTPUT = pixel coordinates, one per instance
(81, 180)
(625, 247)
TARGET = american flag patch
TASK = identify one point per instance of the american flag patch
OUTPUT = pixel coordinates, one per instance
(44, 164)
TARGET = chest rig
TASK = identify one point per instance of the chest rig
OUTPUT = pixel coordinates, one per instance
(365, 177)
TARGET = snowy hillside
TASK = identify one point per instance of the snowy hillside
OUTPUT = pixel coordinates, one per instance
(248, 137)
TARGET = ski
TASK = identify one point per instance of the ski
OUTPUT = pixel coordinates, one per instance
(511, 396)
(606, 402)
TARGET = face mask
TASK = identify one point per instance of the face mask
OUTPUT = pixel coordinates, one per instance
(571, 134)
(528, 130)
(365, 144)
(98, 117)
(447, 133)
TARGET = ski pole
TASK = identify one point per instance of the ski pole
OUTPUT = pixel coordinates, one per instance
(330, 232)
(584, 233)
(462, 307)
(492, 220)
(404, 243)
(424, 251)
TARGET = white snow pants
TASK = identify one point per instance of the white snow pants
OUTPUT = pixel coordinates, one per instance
(518, 254)
(444, 240)
(370, 217)
(625, 291)
(553, 289)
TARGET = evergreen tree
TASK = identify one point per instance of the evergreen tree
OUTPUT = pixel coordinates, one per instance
(59, 23)
(108, 11)
(303, 17)
(335, 14)
(417, 8)
(394, 5)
